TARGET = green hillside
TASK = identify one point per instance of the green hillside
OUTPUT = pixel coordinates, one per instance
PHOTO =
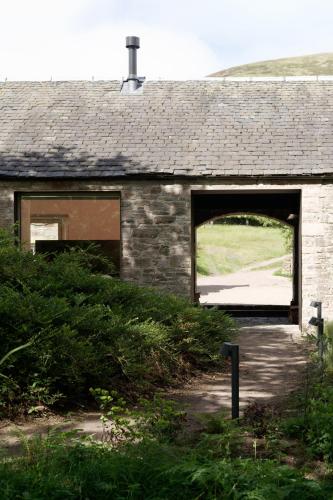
(314, 64)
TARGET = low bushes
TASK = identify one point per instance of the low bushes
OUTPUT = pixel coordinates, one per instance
(147, 454)
(328, 351)
(314, 422)
(87, 330)
(315, 425)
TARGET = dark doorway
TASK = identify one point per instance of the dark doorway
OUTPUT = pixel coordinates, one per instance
(283, 206)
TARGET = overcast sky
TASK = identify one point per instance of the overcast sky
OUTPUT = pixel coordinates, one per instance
(78, 39)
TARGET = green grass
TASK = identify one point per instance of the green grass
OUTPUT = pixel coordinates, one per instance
(274, 266)
(283, 274)
(224, 249)
(151, 471)
(314, 64)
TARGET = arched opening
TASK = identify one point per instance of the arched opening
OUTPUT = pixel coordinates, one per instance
(246, 252)
(244, 258)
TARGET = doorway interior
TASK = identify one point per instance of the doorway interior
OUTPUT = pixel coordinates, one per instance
(282, 206)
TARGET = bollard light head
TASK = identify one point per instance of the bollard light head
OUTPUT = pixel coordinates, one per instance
(226, 349)
(315, 321)
(315, 303)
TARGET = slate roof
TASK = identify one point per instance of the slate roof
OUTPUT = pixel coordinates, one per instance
(192, 128)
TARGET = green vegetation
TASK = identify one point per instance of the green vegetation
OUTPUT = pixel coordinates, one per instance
(165, 464)
(282, 273)
(224, 249)
(315, 425)
(314, 64)
(70, 335)
(150, 470)
(273, 266)
(86, 330)
(312, 423)
(329, 348)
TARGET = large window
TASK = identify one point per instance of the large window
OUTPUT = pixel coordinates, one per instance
(48, 219)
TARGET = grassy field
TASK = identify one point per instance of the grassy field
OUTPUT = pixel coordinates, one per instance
(223, 249)
(314, 64)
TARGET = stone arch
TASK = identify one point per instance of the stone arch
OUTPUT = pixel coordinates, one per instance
(216, 217)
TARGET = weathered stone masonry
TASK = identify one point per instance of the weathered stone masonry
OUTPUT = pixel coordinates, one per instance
(195, 135)
(156, 235)
(155, 227)
(316, 238)
(156, 230)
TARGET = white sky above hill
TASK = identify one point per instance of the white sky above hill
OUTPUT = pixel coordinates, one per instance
(78, 39)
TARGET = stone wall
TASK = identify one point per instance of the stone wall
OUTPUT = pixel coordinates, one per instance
(6, 204)
(155, 227)
(156, 235)
(316, 237)
(156, 230)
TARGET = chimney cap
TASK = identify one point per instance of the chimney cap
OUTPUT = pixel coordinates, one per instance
(132, 42)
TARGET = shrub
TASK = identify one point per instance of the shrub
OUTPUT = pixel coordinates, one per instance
(328, 353)
(248, 220)
(157, 418)
(89, 330)
(315, 427)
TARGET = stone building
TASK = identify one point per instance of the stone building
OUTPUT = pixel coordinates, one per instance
(88, 160)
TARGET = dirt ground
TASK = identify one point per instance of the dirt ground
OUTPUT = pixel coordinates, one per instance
(272, 363)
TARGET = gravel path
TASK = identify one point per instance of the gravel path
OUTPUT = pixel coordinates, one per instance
(272, 363)
(248, 286)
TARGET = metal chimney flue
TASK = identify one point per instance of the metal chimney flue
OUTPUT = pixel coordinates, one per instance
(133, 81)
(132, 43)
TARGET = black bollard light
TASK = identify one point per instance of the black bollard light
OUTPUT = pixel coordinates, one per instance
(232, 350)
(317, 305)
(319, 323)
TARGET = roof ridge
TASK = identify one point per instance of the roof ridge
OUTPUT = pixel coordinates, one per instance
(305, 78)
(263, 78)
